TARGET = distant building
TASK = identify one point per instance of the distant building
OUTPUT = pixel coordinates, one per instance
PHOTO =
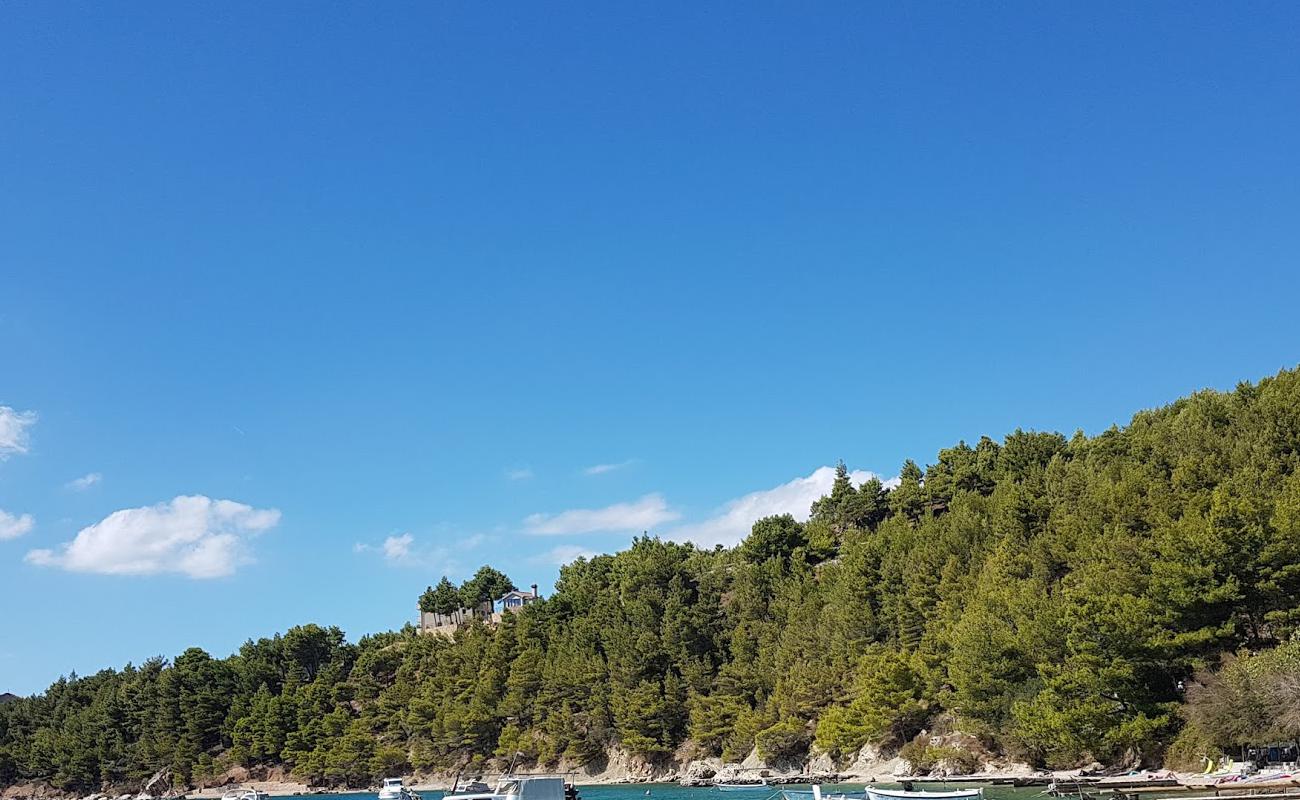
(515, 600)
(489, 612)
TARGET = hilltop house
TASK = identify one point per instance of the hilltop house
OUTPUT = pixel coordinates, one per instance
(489, 612)
(515, 599)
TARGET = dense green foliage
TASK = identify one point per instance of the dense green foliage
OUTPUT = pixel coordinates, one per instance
(1252, 699)
(486, 586)
(1049, 595)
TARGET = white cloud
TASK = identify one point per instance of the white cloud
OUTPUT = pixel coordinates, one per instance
(640, 515)
(732, 522)
(13, 431)
(519, 474)
(398, 548)
(403, 550)
(84, 482)
(194, 536)
(563, 554)
(601, 469)
(11, 526)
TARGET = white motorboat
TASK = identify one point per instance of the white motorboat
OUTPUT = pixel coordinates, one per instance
(245, 794)
(975, 793)
(816, 793)
(739, 784)
(394, 790)
(475, 785)
(514, 787)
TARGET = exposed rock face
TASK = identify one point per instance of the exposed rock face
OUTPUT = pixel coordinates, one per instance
(871, 763)
(160, 785)
(948, 768)
(755, 763)
(619, 766)
(700, 771)
(819, 762)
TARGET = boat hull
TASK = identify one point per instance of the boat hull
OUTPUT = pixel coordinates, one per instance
(901, 794)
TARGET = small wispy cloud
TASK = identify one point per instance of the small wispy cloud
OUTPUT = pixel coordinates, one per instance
(398, 548)
(639, 515)
(395, 549)
(14, 436)
(563, 554)
(404, 550)
(84, 482)
(519, 474)
(14, 525)
(601, 469)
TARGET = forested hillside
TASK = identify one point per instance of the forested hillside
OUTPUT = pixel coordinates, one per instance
(1064, 599)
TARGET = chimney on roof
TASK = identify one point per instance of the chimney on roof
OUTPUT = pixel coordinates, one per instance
(534, 591)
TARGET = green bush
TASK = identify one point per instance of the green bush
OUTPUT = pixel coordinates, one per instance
(924, 757)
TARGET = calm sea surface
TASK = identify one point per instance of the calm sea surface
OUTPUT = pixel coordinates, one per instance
(671, 791)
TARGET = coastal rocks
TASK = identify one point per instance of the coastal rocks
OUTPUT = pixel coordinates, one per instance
(160, 785)
(619, 766)
(1012, 769)
(753, 761)
(871, 764)
(700, 772)
(950, 768)
(235, 775)
(755, 764)
(819, 762)
(32, 790)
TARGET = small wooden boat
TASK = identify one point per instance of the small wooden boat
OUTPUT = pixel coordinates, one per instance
(975, 793)
(816, 793)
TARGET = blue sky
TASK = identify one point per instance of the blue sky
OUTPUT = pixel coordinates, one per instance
(330, 299)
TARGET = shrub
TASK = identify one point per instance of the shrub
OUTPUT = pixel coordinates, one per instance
(924, 757)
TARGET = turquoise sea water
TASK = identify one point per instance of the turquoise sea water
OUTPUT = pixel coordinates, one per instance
(671, 791)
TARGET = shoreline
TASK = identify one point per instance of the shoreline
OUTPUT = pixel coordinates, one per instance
(280, 788)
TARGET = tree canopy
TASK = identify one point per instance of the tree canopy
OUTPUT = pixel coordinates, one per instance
(1131, 595)
(441, 599)
(487, 585)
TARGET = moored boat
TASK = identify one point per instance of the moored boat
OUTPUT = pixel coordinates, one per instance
(817, 793)
(516, 787)
(475, 785)
(392, 789)
(974, 793)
